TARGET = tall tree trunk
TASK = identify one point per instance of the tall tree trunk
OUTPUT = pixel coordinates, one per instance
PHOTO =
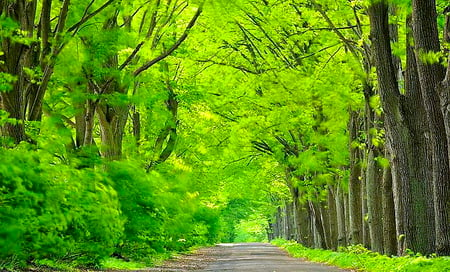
(301, 219)
(389, 233)
(398, 134)
(341, 216)
(295, 218)
(421, 185)
(16, 58)
(374, 200)
(445, 86)
(333, 217)
(325, 216)
(290, 225)
(354, 196)
(426, 41)
(364, 209)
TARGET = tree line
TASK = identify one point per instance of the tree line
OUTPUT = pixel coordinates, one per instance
(402, 204)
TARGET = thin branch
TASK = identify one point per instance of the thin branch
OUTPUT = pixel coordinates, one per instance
(335, 29)
(263, 147)
(252, 156)
(62, 18)
(241, 68)
(153, 20)
(84, 19)
(317, 52)
(173, 48)
(47, 110)
(86, 10)
(323, 29)
(128, 19)
(226, 117)
(132, 56)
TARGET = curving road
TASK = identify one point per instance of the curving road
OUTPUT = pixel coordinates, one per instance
(250, 257)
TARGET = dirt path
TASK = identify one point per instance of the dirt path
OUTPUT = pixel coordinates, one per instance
(252, 257)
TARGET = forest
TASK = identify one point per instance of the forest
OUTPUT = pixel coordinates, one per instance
(136, 128)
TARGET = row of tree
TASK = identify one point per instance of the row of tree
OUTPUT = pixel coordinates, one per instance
(403, 204)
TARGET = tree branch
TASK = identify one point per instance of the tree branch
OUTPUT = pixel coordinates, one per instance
(173, 48)
(241, 68)
(85, 17)
(132, 56)
(335, 29)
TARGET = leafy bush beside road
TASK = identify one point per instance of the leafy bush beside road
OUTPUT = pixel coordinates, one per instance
(362, 259)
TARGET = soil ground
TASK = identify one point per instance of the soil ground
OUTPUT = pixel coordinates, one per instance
(251, 257)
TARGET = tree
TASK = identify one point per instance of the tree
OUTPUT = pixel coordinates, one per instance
(29, 55)
(431, 75)
(405, 133)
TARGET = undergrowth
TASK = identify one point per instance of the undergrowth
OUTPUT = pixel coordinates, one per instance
(359, 258)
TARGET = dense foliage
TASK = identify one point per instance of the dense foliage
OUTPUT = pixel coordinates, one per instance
(132, 129)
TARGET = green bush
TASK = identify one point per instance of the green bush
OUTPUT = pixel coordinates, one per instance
(51, 211)
(161, 213)
(54, 213)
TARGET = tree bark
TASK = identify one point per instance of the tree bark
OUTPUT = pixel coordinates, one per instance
(341, 216)
(426, 40)
(389, 233)
(16, 58)
(364, 207)
(398, 137)
(332, 217)
(374, 200)
(421, 186)
(355, 200)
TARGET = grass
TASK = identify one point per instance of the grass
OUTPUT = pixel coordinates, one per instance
(359, 258)
(114, 263)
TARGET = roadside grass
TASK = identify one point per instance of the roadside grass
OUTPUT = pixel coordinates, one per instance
(359, 258)
(119, 264)
(110, 263)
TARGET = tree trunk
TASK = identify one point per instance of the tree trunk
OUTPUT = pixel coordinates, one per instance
(354, 196)
(421, 186)
(389, 233)
(112, 120)
(15, 59)
(332, 217)
(426, 41)
(445, 88)
(374, 200)
(301, 219)
(364, 209)
(341, 216)
(398, 135)
(291, 229)
(325, 215)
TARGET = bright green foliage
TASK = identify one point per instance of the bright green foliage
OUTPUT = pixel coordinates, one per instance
(252, 229)
(52, 211)
(161, 214)
(358, 257)
(48, 206)
(263, 91)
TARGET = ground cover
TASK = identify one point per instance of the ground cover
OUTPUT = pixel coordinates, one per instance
(362, 259)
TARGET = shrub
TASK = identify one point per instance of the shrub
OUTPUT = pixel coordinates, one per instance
(52, 211)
